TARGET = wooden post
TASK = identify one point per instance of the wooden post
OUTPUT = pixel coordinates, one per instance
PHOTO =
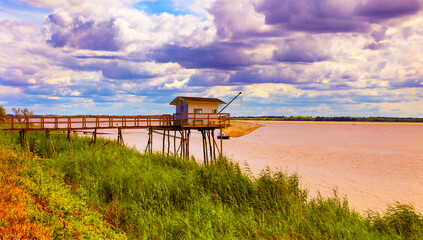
(164, 138)
(49, 138)
(174, 142)
(182, 143)
(214, 144)
(120, 138)
(204, 155)
(94, 136)
(148, 142)
(151, 142)
(188, 135)
(22, 137)
(217, 147)
(69, 135)
(221, 143)
(205, 151)
(209, 145)
(148, 147)
(168, 142)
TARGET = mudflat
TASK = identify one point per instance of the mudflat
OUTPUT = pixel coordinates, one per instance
(374, 164)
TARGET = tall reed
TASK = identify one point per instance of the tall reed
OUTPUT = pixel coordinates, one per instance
(160, 197)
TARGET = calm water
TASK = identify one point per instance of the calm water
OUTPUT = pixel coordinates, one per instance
(375, 164)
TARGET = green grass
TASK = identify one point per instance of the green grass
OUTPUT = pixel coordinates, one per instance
(159, 197)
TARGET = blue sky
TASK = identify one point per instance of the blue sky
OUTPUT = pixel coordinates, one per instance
(292, 57)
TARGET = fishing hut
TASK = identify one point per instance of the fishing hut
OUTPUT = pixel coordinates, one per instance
(201, 114)
(192, 114)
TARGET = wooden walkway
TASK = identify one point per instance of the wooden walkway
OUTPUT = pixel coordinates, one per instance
(179, 124)
(157, 122)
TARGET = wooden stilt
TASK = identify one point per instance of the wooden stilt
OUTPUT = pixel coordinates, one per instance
(205, 151)
(179, 148)
(174, 142)
(69, 136)
(168, 142)
(182, 143)
(221, 143)
(217, 147)
(214, 144)
(151, 143)
(94, 136)
(49, 138)
(205, 145)
(188, 135)
(209, 145)
(164, 138)
(120, 138)
(147, 148)
(22, 137)
(185, 143)
(186, 140)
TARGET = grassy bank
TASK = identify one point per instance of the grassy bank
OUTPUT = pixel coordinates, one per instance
(82, 190)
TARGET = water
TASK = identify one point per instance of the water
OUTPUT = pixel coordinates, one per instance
(374, 164)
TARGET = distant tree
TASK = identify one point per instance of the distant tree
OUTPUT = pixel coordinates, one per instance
(3, 114)
(18, 112)
(27, 113)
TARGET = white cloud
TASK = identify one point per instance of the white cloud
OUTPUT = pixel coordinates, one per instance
(7, 91)
(75, 93)
(237, 18)
(176, 84)
(268, 89)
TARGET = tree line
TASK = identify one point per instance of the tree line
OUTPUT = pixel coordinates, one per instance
(330, 119)
(17, 112)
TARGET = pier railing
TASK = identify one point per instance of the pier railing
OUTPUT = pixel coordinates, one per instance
(200, 120)
(186, 120)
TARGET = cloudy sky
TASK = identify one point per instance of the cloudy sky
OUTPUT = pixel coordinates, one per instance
(288, 57)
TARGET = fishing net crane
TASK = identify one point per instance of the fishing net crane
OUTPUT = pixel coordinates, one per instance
(230, 102)
(237, 128)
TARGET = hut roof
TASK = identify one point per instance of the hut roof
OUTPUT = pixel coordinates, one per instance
(179, 99)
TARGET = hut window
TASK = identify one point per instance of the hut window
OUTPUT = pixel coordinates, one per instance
(214, 111)
(198, 110)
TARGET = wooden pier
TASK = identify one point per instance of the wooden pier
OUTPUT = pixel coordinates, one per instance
(176, 126)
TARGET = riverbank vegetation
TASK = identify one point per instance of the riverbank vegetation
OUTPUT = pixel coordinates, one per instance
(108, 191)
(329, 119)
